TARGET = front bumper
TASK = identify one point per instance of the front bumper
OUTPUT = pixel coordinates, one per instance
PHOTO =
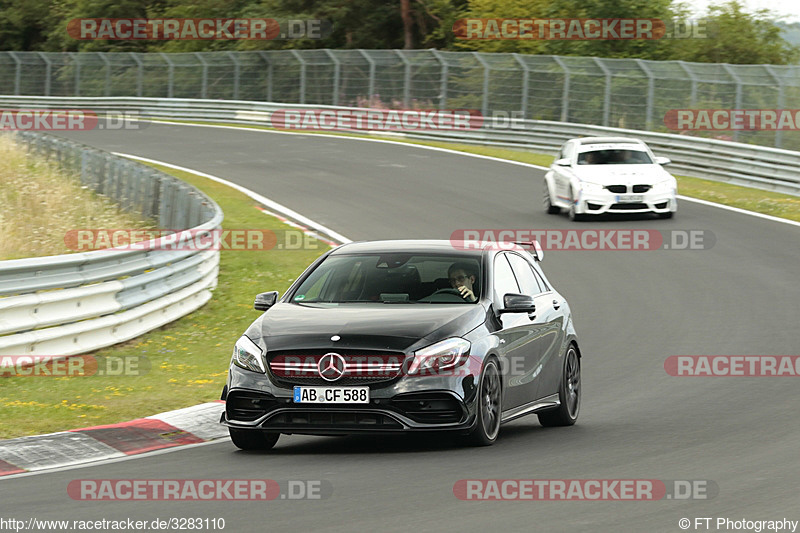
(602, 202)
(428, 403)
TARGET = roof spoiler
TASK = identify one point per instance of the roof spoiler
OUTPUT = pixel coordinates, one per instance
(533, 248)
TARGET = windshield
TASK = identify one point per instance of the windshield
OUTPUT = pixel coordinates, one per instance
(614, 157)
(393, 278)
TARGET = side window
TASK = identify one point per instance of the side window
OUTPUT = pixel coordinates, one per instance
(525, 276)
(504, 281)
(541, 281)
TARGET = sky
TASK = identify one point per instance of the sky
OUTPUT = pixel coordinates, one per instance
(787, 10)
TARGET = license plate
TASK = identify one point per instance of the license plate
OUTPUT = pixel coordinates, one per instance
(629, 198)
(331, 394)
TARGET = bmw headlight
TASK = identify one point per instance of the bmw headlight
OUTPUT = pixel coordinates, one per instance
(591, 187)
(247, 355)
(443, 355)
(665, 186)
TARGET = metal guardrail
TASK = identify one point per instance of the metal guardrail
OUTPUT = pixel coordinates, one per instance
(743, 164)
(107, 296)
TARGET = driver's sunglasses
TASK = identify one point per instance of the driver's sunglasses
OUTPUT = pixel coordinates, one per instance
(458, 279)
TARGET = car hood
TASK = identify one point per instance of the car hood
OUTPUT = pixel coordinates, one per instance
(396, 327)
(621, 174)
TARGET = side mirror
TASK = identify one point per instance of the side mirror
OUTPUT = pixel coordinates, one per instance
(518, 303)
(663, 161)
(265, 300)
(562, 162)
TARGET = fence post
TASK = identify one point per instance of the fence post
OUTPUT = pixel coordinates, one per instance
(139, 73)
(648, 121)
(693, 92)
(565, 92)
(302, 61)
(107, 88)
(170, 74)
(77, 64)
(337, 72)
(606, 93)
(406, 79)
(781, 96)
(17, 73)
(48, 72)
(738, 103)
(486, 70)
(371, 83)
(443, 82)
(237, 73)
(263, 55)
(204, 82)
(526, 74)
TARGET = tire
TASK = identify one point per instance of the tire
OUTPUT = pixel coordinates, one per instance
(668, 214)
(573, 216)
(252, 439)
(548, 205)
(490, 398)
(569, 393)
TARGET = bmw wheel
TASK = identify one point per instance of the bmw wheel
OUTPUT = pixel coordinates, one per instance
(490, 399)
(252, 439)
(569, 393)
(573, 215)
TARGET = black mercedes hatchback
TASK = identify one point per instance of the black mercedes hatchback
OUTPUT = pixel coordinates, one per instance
(398, 336)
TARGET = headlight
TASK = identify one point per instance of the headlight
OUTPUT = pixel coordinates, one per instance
(591, 187)
(664, 186)
(247, 355)
(443, 355)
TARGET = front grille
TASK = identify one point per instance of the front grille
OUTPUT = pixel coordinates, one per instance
(429, 408)
(363, 367)
(246, 406)
(642, 188)
(618, 189)
(629, 207)
(332, 420)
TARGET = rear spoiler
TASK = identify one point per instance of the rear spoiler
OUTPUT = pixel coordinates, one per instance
(533, 248)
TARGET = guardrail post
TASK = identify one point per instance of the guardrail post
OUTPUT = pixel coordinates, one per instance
(565, 92)
(781, 95)
(738, 102)
(170, 74)
(337, 72)
(406, 79)
(204, 82)
(139, 73)
(526, 74)
(237, 72)
(48, 72)
(371, 82)
(302, 61)
(486, 70)
(648, 121)
(443, 81)
(606, 93)
(17, 73)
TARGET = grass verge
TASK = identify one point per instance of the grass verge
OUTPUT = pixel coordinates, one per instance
(39, 204)
(188, 358)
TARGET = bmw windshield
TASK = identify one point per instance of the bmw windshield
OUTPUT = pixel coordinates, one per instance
(392, 278)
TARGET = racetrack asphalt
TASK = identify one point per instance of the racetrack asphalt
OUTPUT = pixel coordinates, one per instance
(632, 310)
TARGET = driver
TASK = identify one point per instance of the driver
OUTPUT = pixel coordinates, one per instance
(462, 279)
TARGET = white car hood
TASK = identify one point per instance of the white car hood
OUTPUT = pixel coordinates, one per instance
(621, 174)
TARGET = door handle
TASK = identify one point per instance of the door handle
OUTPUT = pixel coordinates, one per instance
(556, 305)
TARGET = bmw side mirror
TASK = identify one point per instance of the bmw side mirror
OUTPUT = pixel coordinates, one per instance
(265, 300)
(518, 303)
(563, 162)
(663, 161)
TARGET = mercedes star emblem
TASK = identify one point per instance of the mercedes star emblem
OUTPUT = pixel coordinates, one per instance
(331, 366)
